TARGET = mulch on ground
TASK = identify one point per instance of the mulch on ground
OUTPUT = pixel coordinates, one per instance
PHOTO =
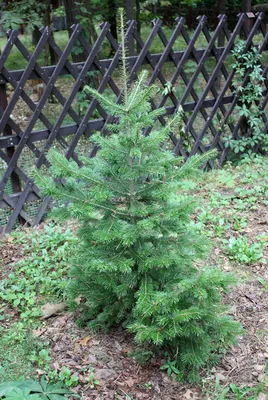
(119, 375)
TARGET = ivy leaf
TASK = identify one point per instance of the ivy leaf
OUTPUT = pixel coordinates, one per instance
(168, 88)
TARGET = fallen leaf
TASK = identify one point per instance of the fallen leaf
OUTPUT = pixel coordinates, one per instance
(263, 378)
(262, 396)
(130, 382)
(78, 300)
(38, 332)
(49, 309)
(56, 366)
(82, 379)
(259, 368)
(190, 395)
(40, 372)
(84, 341)
(61, 321)
(104, 374)
(221, 377)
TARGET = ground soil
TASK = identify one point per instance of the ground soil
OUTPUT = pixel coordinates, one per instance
(120, 375)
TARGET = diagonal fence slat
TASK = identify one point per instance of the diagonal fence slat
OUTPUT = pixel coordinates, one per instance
(210, 83)
(189, 87)
(18, 208)
(24, 78)
(41, 103)
(74, 91)
(106, 79)
(228, 81)
(54, 91)
(157, 66)
(204, 93)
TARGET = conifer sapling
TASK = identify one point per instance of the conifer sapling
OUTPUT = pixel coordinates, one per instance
(136, 260)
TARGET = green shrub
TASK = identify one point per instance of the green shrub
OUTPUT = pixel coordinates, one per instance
(135, 264)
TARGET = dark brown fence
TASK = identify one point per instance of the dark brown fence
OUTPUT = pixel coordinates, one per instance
(192, 69)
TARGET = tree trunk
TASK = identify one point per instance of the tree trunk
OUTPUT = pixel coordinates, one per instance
(179, 7)
(246, 7)
(49, 50)
(190, 17)
(129, 7)
(72, 10)
(36, 34)
(111, 12)
(138, 12)
(221, 38)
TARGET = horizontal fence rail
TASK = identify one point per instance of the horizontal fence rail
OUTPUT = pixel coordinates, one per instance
(45, 106)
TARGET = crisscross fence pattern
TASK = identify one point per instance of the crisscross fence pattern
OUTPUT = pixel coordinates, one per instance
(192, 70)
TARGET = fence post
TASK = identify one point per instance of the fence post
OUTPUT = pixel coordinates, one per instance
(15, 180)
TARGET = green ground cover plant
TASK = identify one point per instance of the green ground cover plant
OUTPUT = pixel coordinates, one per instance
(139, 259)
(34, 390)
(232, 392)
(20, 357)
(233, 195)
(40, 275)
(240, 250)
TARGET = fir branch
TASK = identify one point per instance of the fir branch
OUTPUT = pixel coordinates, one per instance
(112, 107)
(111, 146)
(146, 94)
(191, 165)
(137, 88)
(112, 210)
(123, 57)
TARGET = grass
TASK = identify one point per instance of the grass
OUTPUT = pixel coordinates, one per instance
(16, 61)
(18, 349)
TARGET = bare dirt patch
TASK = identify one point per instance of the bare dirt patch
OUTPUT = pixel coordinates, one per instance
(118, 373)
(10, 253)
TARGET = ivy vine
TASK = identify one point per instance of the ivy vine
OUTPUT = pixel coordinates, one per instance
(249, 104)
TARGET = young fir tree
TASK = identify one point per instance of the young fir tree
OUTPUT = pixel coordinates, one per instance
(136, 260)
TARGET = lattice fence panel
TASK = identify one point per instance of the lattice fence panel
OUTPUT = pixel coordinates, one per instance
(196, 69)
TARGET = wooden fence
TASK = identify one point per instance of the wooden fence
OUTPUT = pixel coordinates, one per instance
(193, 71)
